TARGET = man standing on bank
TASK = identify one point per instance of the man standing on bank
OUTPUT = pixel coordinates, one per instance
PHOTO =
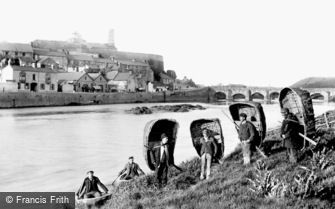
(207, 152)
(290, 134)
(89, 188)
(246, 134)
(162, 161)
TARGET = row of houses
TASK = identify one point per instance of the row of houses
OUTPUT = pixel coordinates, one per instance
(69, 59)
(26, 78)
(84, 67)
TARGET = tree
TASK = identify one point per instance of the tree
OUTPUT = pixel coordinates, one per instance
(171, 73)
(157, 67)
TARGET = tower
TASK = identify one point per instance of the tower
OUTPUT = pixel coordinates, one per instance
(111, 37)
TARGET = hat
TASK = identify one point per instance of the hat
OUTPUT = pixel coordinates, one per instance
(163, 136)
(131, 157)
(243, 115)
(92, 172)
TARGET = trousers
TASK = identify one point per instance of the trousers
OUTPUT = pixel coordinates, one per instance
(246, 153)
(206, 160)
(292, 155)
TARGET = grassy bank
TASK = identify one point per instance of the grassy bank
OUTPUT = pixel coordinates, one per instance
(266, 183)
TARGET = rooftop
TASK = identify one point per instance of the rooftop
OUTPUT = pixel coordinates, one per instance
(19, 47)
(31, 69)
(45, 52)
(111, 75)
(73, 76)
(93, 75)
(81, 57)
(122, 76)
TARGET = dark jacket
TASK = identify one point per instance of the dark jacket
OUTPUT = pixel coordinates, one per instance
(209, 147)
(131, 170)
(162, 157)
(247, 131)
(91, 186)
(290, 128)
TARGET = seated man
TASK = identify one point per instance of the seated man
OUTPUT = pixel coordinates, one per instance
(131, 170)
(89, 188)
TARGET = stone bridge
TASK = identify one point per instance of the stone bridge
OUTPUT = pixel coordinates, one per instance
(321, 94)
(261, 94)
(266, 94)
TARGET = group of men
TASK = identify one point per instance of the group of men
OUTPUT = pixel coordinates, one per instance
(289, 132)
(160, 154)
(91, 184)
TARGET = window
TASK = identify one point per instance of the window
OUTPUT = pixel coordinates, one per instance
(34, 77)
(26, 86)
(6, 53)
(23, 54)
(18, 85)
(22, 77)
(100, 79)
(52, 86)
(42, 86)
(47, 78)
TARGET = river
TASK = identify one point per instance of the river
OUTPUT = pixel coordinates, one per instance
(52, 148)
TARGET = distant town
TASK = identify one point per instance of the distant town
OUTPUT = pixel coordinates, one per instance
(79, 66)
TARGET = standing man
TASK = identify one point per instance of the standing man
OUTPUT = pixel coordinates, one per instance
(290, 134)
(131, 170)
(246, 134)
(89, 188)
(162, 162)
(207, 152)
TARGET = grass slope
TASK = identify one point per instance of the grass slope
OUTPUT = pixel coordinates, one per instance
(228, 187)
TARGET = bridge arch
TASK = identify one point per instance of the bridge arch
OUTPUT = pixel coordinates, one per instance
(220, 95)
(239, 97)
(274, 95)
(318, 96)
(257, 96)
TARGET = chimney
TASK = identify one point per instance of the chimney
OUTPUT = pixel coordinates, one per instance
(111, 37)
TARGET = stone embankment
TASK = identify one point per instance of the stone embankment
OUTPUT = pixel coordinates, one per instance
(44, 99)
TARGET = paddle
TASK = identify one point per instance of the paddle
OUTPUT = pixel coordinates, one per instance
(116, 179)
(303, 135)
(308, 139)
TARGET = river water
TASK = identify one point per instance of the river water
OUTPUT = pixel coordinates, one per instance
(52, 148)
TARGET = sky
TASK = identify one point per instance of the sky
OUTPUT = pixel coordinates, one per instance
(256, 43)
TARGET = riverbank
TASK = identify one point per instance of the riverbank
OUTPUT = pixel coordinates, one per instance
(46, 99)
(266, 183)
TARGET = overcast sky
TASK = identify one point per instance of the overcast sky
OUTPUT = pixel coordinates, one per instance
(260, 43)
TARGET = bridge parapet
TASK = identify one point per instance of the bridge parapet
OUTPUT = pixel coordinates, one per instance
(249, 93)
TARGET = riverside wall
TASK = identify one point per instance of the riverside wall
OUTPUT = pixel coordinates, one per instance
(45, 99)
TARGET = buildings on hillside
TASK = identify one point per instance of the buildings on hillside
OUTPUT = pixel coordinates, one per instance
(80, 66)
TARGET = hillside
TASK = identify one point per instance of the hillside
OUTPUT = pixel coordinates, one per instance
(315, 82)
(266, 183)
